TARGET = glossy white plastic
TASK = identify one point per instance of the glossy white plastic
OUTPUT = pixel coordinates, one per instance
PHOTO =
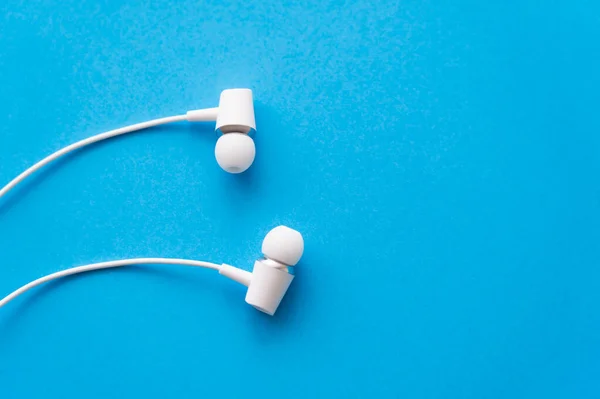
(267, 287)
(236, 111)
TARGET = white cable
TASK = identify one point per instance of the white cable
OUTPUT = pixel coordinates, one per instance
(83, 143)
(106, 265)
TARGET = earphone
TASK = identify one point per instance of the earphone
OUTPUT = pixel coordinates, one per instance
(234, 151)
(267, 283)
(235, 124)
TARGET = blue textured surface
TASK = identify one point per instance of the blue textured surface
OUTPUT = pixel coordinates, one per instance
(442, 162)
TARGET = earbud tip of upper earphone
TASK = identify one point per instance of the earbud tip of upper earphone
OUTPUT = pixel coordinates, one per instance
(284, 245)
(235, 152)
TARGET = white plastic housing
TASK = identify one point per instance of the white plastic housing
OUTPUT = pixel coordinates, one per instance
(236, 111)
(284, 245)
(267, 287)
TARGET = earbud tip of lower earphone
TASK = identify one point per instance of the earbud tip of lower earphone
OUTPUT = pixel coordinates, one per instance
(284, 245)
(235, 152)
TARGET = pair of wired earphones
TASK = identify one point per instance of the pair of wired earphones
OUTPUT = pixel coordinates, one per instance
(235, 151)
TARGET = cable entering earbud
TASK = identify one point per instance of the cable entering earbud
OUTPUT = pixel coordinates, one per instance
(267, 284)
(234, 154)
(106, 265)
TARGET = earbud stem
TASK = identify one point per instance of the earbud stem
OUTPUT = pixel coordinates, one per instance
(269, 285)
(203, 115)
(241, 276)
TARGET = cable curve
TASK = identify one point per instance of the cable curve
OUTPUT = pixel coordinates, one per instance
(106, 265)
(88, 141)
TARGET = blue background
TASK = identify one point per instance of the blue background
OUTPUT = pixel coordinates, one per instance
(440, 158)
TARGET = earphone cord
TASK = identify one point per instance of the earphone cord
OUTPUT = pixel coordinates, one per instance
(83, 143)
(106, 265)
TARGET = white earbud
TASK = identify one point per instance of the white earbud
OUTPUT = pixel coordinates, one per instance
(267, 283)
(273, 274)
(282, 247)
(235, 149)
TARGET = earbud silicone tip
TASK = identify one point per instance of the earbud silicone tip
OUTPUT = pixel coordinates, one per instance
(284, 245)
(235, 152)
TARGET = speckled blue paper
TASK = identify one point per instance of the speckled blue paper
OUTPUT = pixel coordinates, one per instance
(442, 160)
